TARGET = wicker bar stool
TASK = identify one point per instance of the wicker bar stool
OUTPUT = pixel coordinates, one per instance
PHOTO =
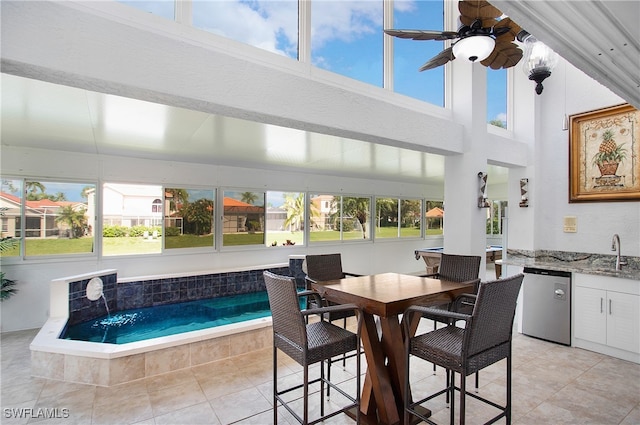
(458, 268)
(307, 344)
(323, 267)
(485, 340)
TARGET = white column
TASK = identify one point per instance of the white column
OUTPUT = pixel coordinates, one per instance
(464, 222)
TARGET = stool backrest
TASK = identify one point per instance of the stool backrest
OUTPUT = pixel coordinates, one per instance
(324, 267)
(287, 320)
(492, 318)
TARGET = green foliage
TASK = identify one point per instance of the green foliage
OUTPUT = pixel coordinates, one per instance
(7, 288)
(253, 226)
(294, 204)
(198, 216)
(114, 231)
(75, 220)
(8, 243)
(619, 154)
(348, 225)
(172, 231)
(137, 231)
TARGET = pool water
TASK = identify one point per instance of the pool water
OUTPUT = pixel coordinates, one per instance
(152, 322)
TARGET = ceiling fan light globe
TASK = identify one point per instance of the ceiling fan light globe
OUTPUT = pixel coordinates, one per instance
(474, 48)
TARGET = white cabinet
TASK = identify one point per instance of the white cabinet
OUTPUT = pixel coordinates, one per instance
(607, 315)
(623, 321)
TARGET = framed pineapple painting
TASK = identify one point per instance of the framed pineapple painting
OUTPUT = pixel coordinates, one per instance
(604, 155)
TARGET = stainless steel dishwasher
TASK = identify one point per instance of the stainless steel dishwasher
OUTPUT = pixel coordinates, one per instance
(546, 305)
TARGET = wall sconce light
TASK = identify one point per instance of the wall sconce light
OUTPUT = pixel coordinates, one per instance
(538, 60)
(524, 192)
(482, 185)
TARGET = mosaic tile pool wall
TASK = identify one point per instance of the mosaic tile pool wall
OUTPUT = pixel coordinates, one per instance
(152, 292)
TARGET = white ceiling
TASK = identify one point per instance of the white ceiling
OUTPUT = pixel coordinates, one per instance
(600, 37)
(39, 114)
(44, 115)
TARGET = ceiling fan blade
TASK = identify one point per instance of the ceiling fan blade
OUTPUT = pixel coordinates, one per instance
(510, 28)
(504, 55)
(440, 59)
(478, 9)
(422, 34)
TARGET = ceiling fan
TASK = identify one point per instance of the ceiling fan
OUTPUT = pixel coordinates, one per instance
(482, 37)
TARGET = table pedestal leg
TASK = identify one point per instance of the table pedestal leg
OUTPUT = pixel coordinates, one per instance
(383, 389)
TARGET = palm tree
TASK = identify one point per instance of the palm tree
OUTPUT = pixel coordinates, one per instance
(295, 210)
(358, 208)
(178, 197)
(76, 220)
(32, 189)
(248, 197)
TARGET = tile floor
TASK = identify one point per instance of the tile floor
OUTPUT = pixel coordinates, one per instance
(552, 384)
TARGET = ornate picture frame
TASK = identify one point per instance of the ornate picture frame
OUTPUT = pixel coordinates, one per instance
(604, 155)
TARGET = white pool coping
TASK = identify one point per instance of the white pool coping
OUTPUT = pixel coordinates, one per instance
(47, 339)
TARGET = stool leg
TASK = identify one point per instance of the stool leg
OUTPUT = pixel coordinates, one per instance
(275, 384)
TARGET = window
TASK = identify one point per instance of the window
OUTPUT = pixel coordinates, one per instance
(269, 25)
(356, 216)
(323, 211)
(338, 218)
(410, 218)
(497, 97)
(410, 55)
(188, 218)
(129, 226)
(494, 217)
(346, 38)
(156, 207)
(398, 218)
(285, 218)
(165, 8)
(57, 217)
(434, 218)
(243, 218)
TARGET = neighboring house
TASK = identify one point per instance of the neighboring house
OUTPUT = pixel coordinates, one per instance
(242, 217)
(131, 205)
(276, 217)
(40, 217)
(326, 207)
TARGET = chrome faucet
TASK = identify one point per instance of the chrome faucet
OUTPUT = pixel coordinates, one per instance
(615, 245)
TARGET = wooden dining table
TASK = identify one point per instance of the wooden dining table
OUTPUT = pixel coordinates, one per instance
(383, 298)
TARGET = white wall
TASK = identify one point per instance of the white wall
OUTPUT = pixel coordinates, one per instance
(597, 222)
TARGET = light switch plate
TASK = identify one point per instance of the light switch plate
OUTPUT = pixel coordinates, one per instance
(570, 224)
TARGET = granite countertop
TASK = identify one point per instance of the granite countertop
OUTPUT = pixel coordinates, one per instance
(575, 262)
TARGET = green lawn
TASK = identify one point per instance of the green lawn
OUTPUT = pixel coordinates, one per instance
(128, 245)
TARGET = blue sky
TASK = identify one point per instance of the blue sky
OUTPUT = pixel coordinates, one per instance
(346, 38)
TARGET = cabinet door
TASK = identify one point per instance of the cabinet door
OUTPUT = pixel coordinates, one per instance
(623, 321)
(590, 317)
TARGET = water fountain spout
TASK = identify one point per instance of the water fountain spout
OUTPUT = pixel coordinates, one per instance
(94, 292)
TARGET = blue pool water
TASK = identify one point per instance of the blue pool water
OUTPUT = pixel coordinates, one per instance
(151, 322)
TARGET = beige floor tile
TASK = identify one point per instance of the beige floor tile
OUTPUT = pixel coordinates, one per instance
(175, 398)
(222, 384)
(131, 410)
(194, 415)
(552, 384)
(240, 405)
